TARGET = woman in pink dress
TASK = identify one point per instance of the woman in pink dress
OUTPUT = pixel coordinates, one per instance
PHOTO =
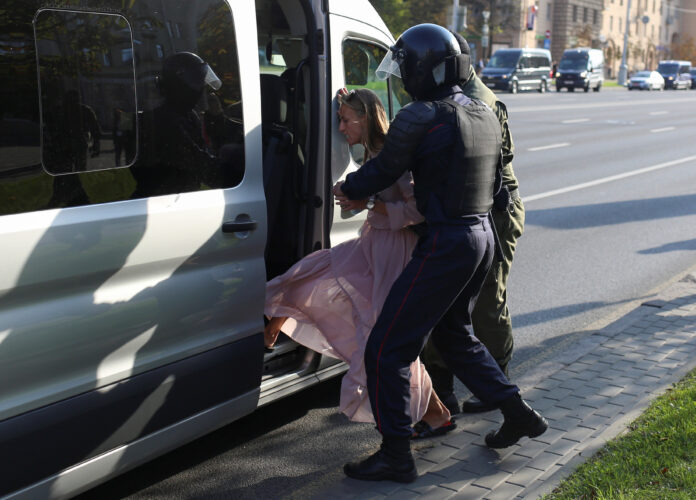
(329, 300)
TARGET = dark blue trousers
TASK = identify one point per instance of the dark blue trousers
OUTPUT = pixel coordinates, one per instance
(436, 292)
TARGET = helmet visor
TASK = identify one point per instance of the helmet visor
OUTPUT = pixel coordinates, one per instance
(211, 78)
(390, 65)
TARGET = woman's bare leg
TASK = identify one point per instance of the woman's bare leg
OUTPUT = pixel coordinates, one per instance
(437, 414)
(270, 333)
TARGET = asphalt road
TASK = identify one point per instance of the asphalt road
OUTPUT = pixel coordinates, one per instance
(608, 181)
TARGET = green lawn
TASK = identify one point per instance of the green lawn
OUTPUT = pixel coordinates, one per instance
(655, 459)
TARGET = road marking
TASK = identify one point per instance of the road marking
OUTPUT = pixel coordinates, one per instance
(576, 120)
(658, 113)
(663, 129)
(550, 146)
(602, 105)
(611, 178)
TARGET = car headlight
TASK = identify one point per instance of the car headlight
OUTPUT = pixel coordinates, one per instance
(504, 77)
(583, 74)
(670, 78)
(558, 75)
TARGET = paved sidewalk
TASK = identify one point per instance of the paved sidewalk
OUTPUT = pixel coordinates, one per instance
(602, 384)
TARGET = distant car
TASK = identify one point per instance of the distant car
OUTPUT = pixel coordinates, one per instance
(693, 79)
(646, 80)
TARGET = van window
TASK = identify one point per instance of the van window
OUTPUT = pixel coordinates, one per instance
(503, 59)
(574, 61)
(90, 116)
(360, 62)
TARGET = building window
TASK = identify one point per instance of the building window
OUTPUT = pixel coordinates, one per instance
(594, 16)
(611, 23)
(584, 14)
(620, 25)
(575, 13)
(654, 2)
(548, 11)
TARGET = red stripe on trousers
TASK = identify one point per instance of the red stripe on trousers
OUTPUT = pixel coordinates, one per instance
(381, 346)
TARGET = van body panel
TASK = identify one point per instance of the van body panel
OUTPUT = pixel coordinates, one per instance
(367, 15)
(103, 292)
(125, 412)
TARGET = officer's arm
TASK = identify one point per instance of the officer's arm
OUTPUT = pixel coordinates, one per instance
(398, 155)
(508, 147)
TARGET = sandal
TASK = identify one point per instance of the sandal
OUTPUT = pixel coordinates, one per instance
(422, 429)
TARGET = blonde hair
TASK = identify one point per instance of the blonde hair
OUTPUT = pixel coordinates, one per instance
(366, 103)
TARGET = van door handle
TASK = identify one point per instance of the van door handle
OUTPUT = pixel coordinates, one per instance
(239, 226)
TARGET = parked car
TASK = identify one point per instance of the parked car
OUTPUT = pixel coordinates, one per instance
(677, 74)
(646, 80)
(580, 68)
(132, 285)
(518, 69)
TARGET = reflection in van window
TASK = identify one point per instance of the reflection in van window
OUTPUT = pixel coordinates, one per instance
(85, 101)
(503, 60)
(74, 81)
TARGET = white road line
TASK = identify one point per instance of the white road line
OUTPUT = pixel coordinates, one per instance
(611, 178)
(576, 120)
(663, 129)
(653, 113)
(550, 146)
(603, 105)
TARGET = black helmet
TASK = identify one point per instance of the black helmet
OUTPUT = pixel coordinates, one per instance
(463, 64)
(425, 57)
(184, 77)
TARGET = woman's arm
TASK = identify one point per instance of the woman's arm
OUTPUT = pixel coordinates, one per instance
(403, 212)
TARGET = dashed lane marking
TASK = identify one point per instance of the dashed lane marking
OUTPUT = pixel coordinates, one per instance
(550, 146)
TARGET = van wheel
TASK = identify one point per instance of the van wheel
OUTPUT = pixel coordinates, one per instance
(542, 86)
(513, 87)
(558, 89)
(599, 86)
(587, 87)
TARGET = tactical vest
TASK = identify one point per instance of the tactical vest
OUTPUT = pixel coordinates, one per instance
(470, 179)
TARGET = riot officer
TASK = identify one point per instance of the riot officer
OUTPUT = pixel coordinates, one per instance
(451, 144)
(491, 317)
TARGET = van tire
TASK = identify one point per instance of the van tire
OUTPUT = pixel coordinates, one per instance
(586, 88)
(542, 86)
(514, 87)
(599, 86)
(558, 89)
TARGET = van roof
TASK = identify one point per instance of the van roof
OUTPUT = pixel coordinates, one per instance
(522, 49)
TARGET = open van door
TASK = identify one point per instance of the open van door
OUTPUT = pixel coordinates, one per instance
(357, 48)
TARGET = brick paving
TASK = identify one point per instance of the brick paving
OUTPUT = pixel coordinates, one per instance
(602, 384)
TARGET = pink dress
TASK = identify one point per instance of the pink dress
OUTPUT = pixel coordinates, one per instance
(332, 297)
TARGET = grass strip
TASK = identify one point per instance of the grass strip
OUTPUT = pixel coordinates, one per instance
(654, 459)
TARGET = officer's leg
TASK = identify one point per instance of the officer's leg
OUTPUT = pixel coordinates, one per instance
(472, 363)
(491, 317)
(420, 296)
(453, 335)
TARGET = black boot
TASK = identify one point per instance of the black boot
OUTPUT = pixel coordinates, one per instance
(393, 461)
(475, 405)
(520, 420)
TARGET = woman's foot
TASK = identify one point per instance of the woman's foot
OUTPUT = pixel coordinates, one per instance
(272, 330)
(437, 419)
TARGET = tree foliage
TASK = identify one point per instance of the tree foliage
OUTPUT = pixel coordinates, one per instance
(400, 15)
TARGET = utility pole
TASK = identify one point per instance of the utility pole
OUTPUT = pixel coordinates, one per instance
(623, 69)
(455, 15)
(484, 33)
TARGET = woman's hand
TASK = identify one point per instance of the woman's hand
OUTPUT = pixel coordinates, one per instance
(342, 91)
(347, 204)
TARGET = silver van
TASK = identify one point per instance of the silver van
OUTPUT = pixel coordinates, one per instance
(159, 161)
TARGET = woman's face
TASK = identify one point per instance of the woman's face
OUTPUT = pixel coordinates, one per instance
(351, 125)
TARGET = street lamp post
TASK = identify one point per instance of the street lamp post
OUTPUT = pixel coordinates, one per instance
(623, 70)
(484, 33)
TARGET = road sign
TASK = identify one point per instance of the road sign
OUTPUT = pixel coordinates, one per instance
(547, 34)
